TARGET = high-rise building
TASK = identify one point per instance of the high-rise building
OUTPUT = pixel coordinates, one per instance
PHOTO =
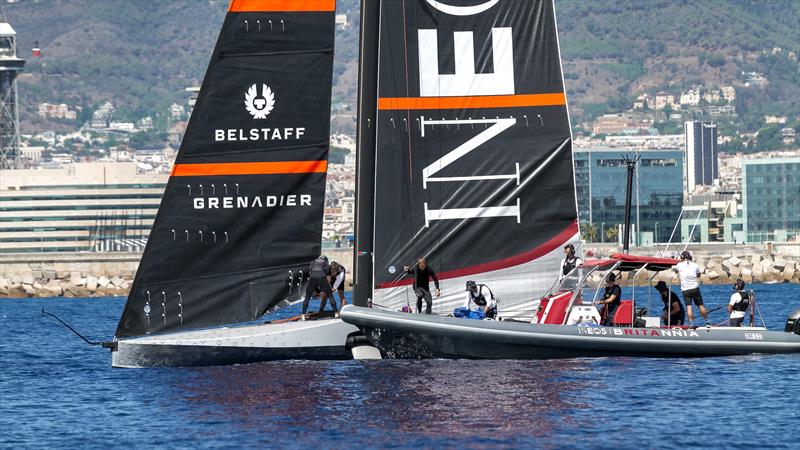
(600, 181)
(701, 154)
(771, 197)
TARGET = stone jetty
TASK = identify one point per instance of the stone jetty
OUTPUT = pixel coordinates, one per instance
(724, 267)
(98, 274)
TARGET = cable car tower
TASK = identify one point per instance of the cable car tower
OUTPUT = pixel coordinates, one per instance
(10, 67)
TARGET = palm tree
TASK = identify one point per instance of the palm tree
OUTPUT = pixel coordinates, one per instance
(611, 234)
(589, 232)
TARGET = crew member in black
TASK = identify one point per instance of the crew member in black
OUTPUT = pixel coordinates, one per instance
(740, 301)
(611, 299)
(677, 313)
(422, 288)
(336, 278)
(570, 261)
(318, 277)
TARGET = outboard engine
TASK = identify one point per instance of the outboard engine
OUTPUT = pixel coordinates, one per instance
(793, 322)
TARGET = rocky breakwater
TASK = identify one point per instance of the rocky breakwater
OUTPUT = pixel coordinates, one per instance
(726, 269)
(50, 283)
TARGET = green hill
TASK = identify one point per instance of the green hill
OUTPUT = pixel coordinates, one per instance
(141, 54)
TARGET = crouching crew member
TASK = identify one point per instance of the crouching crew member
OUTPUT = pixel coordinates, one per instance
(318, 278)
(336, 279)
(422, 274)
(739, 303)
(338, 273)
(611, 299)
(475, 295)
(672, 303)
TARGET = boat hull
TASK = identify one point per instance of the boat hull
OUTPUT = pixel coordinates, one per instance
(314, 340)
(401, 335)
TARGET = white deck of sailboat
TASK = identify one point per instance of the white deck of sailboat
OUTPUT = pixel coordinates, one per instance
(284, 334)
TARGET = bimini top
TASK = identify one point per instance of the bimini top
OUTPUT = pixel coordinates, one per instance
(630, 262)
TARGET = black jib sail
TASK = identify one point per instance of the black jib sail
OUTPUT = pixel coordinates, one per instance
(474, 152)
(241, 216)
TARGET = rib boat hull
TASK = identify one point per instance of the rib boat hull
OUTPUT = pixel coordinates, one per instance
(314, 340)
(401, 335)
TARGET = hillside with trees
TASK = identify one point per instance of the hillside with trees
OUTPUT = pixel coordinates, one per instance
(142, 54)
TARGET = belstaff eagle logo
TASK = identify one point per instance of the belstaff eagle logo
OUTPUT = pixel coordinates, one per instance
(259, 106)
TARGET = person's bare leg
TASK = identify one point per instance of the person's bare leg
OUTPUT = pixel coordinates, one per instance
(342, 299)
(703, 312)
(690, 313)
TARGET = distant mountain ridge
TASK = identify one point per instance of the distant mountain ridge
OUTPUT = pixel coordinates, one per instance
(141, 54)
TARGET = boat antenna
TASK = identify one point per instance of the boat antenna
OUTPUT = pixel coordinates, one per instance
(631, 165)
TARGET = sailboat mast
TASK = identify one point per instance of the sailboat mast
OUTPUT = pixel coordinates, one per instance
(365, 156)
(631, 164)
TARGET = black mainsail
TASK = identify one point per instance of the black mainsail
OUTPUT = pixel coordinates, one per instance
(473, 150)
(241, 215)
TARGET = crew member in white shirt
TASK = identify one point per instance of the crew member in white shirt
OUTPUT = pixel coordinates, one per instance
(738, 305)
(689, 273)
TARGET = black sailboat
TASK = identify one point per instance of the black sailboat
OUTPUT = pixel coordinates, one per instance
(241, 216)
(473, 171)
(472, 153)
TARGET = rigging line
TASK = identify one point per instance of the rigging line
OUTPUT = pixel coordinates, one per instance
(69, 327)
(691, 233)
(677, 222)
(408, 133)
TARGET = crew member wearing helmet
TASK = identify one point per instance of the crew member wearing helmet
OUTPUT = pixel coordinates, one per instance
(689, 273)
(475, 295)
(739, 303)
(318, 278)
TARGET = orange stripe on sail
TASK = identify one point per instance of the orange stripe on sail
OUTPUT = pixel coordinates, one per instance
(484, 101)
(281, 5)
(249, 168)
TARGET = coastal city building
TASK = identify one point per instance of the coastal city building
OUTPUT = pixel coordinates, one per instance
(714, 217)
(82, 207)
(771, 197)
(600, 179)
(701, 154)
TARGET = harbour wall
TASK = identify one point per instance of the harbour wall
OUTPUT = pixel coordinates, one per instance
(85, 274)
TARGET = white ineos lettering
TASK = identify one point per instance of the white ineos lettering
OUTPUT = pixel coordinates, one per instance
(483, 211)
(462, 10)
(465, 81)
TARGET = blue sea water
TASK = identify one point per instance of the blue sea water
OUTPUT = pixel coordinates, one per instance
(58, 392)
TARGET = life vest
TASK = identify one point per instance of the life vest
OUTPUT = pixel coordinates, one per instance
(568, 265)
(743, 303)
(480, 300)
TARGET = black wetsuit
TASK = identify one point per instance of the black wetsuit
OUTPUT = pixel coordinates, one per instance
(679, 317)
(612, 307)
(422, 287)
(318, 277)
